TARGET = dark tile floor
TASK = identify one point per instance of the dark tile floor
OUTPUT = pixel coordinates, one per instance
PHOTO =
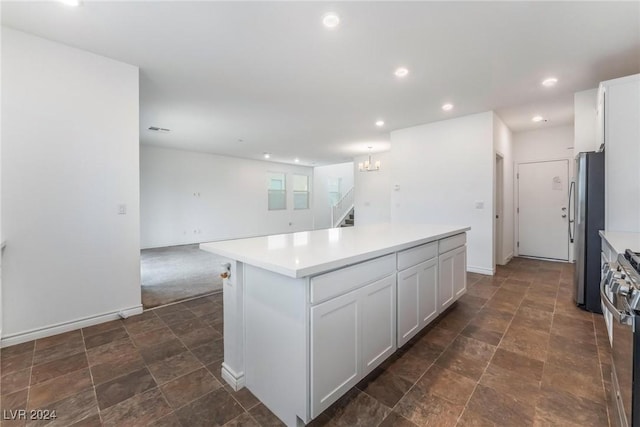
(514, 351)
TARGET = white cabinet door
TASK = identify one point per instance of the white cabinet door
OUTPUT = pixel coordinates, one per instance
(622, 134)
(600, 135)
(378, 302)
(350, 336)
(445, 279)
(428, 291)
(335, 349)
(417, 299)
(408, 304)
(460, 271)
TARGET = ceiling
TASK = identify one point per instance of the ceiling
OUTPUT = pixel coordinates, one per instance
(244, 78)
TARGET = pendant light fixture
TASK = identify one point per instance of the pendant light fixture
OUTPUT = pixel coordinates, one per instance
(369, 165)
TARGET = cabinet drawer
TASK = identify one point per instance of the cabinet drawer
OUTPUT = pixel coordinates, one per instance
(340, 281)
(452, 242)
(415, 256)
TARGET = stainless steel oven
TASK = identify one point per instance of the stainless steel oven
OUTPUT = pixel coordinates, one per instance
(620, 294)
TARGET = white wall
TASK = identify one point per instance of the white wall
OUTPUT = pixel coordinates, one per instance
(1, 235)
(69, 158)
(503, 145)
(552, 143)
(373, 191)
(443, 169)
(321, 202)
(232, 201)
(585, 104)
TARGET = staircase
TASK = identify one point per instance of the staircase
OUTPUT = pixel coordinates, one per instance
(349, 220)
(342, 211)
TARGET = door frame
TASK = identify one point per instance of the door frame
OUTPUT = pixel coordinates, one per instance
(516, 204)
(498, 211)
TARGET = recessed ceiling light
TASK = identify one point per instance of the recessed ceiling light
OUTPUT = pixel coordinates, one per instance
(70, 2)
(401, 72)
(380, 123)
(267, 155)
(447, 107)
(297, 160)
(330, 20)
(551, 81)
(537, 118)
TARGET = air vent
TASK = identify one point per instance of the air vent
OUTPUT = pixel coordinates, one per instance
(157, 129)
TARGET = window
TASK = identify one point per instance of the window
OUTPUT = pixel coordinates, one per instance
(335, 194)
(300, 192)
(277, 189)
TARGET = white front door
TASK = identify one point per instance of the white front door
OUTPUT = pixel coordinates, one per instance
(543, 197)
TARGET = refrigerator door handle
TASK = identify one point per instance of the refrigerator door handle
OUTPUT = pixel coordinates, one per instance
(572, 222)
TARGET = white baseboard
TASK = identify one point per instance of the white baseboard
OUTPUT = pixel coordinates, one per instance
(71, 325)
(506, 260)
(480, 270)
(235, 380)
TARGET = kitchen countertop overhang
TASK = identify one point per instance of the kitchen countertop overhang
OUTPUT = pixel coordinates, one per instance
(621, 241)
(309, 253)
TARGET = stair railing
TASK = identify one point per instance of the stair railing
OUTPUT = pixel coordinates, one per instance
(341, 208)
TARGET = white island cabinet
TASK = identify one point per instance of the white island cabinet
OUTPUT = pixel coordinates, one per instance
(307, 315)
(417, 290)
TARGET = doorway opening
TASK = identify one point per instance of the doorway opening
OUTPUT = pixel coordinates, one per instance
(178, 273)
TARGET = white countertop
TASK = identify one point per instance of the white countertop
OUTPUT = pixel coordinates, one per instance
(312, 252)
(621, 241)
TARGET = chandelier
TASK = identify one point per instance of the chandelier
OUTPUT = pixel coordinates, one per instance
(369, 165)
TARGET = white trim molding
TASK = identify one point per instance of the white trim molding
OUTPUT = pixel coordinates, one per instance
(72, 325)
(235, 380)
(480, 270)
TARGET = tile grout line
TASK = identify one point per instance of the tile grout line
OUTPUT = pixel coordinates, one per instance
(205, 367)
(447, 347)
(545, 363)
(29, 386)
(558, 308)
(33, 357)
(606, 400)
(464, 407)
(248, 414)
(425, 372)
(190, 372)
(146, 365)
(182, 301)
(93, 384)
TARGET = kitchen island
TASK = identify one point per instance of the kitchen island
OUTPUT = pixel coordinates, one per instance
(308, 315)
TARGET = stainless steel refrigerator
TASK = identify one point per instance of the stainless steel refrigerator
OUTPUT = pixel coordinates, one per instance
(587, 194)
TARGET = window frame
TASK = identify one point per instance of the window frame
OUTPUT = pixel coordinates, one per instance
(270, 191)
(297, 192)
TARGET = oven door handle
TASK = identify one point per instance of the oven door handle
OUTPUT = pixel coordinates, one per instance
(621, 317)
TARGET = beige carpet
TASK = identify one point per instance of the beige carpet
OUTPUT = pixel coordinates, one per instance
(177, 273)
